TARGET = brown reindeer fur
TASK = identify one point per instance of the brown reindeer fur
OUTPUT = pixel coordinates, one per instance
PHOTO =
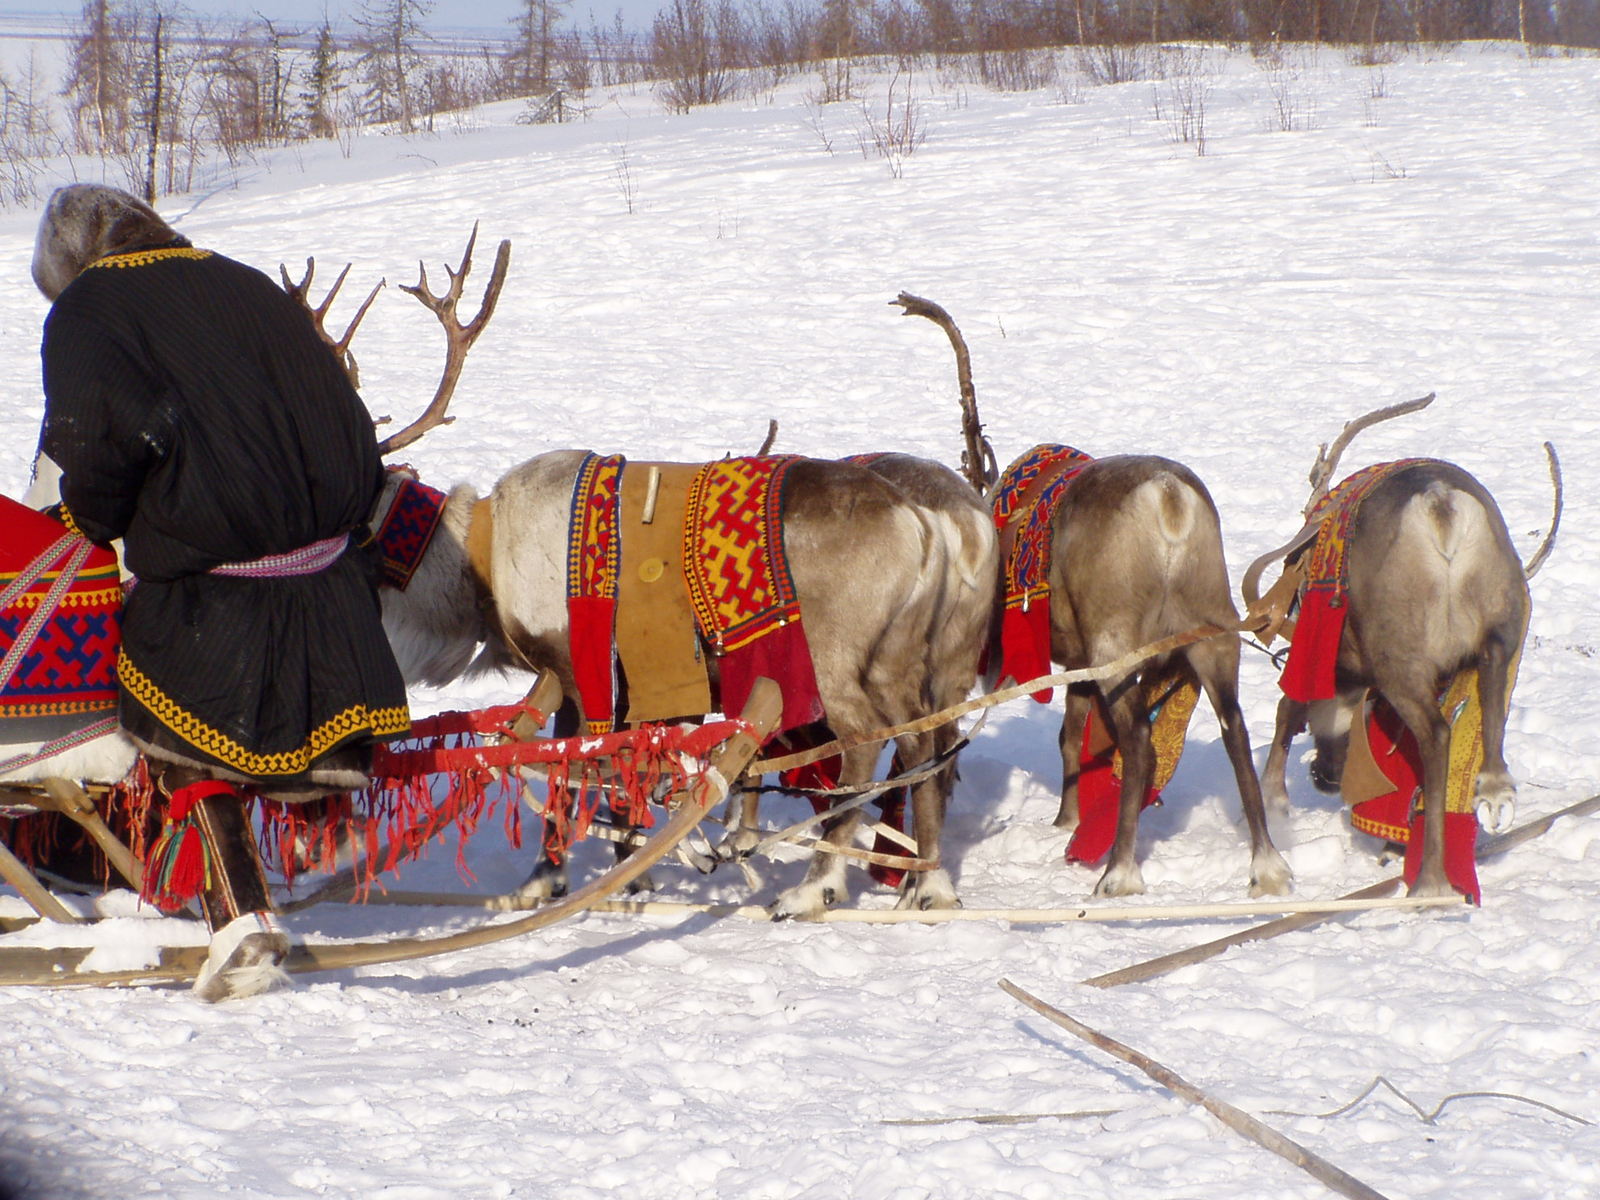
(1433, 585)
(1137, 556)
(894, 603)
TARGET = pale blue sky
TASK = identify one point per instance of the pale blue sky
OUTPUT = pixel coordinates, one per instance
(492, 16)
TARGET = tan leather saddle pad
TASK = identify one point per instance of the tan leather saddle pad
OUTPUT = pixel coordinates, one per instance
(657, 642)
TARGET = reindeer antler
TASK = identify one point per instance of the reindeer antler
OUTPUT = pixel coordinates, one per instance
(1533, 564)
(458, 337)
(301, 294)
(977, 460)
(1328, 456)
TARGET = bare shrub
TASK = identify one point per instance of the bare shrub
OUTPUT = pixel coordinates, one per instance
(1115, 62)
(694, 49)
(1187, 86)
(27, 138)
(816, 123)
(622, 175)
(1293, 103)
(1017, 70)
(897, 133)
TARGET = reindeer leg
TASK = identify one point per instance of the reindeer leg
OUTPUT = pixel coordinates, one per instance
(923, 890)
(1291, 720)
(1433, 744)
(1130, 722)
(1269, 874)
(1079, 699)
(824, 883)
(1495, 792)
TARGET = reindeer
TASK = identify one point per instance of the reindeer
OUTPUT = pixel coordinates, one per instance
(1136, 557)
(879, 587)
(895, 594)
(1433, 586)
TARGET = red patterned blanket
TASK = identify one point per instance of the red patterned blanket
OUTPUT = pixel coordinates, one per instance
(60, 618)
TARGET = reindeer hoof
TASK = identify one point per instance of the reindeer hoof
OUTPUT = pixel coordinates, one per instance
(1270, 876)
(1121, 881)
(546, 883)
(927, 890)
(645, 883)
(245, 959)
(804, 902)
(1429, 889)
(1496, 813)
(736, 846)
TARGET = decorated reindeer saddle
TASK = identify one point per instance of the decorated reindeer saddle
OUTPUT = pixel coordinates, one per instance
(665, 558)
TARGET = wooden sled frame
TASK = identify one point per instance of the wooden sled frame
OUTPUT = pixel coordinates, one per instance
(45, 966)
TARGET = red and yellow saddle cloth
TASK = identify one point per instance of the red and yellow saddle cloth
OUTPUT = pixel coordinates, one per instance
(734, 569)
(1024, 502)
(1383, 771)
(60, 618)
(1382, 780)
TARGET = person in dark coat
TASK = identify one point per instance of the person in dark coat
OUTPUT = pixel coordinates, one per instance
(196, 414)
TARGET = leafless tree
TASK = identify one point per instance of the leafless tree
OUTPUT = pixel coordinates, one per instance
(391, 61)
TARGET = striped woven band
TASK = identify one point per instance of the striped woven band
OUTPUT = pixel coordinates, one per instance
(307, 560)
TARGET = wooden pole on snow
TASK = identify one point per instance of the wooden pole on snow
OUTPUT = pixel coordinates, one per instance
(1236, 1119)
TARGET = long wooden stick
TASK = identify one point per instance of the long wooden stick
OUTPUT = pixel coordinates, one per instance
(1115, 669)
(936, 916)
(1236, 1119)
(35, 893)
(1168, 963)
(73, 802)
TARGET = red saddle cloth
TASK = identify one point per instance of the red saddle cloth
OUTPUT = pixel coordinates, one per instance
(71, 664)
(1024, 502)
(735, 570)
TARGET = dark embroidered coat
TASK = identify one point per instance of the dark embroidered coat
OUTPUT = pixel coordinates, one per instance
(196, 414)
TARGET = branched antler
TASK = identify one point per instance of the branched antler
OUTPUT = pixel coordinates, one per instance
(1328, 456)
(977, 460)
(301, 294)
(458, 337)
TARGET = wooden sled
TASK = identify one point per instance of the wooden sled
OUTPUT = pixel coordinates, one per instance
(54, 967)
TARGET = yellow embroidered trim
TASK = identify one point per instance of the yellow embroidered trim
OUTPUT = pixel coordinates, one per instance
(63, 709)
(64, 515)
(100, 598)
(143, 258)
(358, 718)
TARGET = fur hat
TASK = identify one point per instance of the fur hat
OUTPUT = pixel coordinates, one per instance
(87, 221)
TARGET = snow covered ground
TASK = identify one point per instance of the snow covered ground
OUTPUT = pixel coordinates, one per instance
(1431, 224)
